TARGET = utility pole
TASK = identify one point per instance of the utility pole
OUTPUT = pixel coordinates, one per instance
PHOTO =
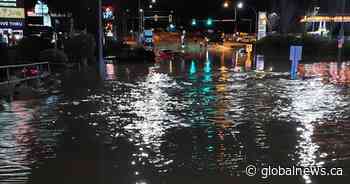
(236, 26)
(100, 58)
(141, 19)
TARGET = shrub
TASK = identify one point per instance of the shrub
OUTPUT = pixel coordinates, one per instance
(312, 46)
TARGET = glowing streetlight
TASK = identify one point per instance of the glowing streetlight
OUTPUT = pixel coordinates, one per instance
(226, 5)
(154, 1)
(150, 6)
(240, 5)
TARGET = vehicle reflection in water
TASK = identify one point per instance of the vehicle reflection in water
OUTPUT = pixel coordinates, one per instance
(26, 141)
(110, 71)
(207, 115)
(337, 73)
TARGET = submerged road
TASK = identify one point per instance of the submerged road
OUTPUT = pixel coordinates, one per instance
(202, 119)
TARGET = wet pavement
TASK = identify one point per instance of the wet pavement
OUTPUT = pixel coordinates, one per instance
(202, 119)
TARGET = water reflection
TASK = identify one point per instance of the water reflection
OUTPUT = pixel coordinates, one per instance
(206, 115)
(337, 73)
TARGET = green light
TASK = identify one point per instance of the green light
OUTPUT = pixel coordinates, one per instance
(193, 68)
(209, 22)
(194, 22)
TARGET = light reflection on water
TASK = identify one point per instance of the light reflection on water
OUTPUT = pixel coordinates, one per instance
(207, 115)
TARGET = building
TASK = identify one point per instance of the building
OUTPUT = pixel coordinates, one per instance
(334, 7)
(12, 16)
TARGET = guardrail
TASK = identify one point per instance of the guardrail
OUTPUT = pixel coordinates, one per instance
(38, 66)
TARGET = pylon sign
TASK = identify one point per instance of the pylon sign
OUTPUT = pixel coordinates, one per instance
(262, 25)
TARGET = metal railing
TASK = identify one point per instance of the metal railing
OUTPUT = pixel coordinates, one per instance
(38, 66)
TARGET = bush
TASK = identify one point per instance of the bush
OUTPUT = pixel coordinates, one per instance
(53, 56)
(312, 46)
(80, 48)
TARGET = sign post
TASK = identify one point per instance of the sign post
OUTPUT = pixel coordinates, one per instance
(295, 57)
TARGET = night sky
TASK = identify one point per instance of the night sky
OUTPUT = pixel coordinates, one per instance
(85, 10)
(183, 8)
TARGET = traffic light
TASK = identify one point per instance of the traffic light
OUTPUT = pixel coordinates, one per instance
(209, 22)
(194, 22)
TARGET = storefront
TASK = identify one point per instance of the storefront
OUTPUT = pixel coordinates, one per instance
(12, 18)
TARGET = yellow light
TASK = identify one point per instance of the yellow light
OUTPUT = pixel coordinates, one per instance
(226, 4)
(326, 19)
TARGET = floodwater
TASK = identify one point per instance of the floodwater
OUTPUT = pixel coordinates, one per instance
(202, 119)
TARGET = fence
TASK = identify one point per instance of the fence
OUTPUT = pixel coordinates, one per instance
(7, 71)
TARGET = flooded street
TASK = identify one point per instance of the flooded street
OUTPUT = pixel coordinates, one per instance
(202, 119)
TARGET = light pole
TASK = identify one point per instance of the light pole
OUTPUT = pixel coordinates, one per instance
(100, 59)
(239, 5)
(141, 19)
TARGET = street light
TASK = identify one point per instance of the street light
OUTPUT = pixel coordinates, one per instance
(240, 5)
(226, 5)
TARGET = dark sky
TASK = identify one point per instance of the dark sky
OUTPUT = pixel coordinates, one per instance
(183, 8)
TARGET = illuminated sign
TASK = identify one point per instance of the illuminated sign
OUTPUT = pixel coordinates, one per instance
(108, 13)
(14, 13)
(14, 24)
(262, 25)
(41, 8)
(8, 3)
(326, 19)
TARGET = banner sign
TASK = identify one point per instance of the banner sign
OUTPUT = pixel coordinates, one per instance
(12, 13)
(8, 3)
(12, 24)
